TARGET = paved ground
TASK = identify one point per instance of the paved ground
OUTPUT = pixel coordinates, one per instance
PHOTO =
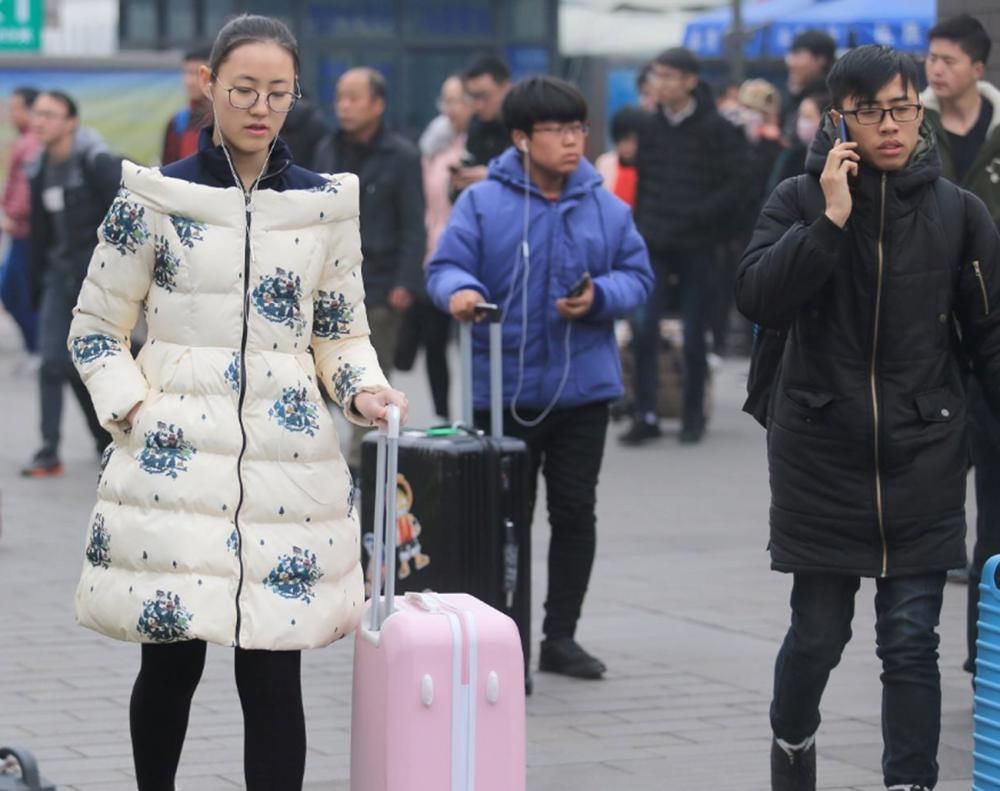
(682, 608)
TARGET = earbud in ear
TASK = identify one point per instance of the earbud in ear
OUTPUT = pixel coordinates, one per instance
(524, 146)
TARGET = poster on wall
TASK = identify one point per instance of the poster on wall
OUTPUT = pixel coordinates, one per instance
(129, 107)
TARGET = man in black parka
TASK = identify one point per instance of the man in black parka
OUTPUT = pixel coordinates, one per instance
(887, 278)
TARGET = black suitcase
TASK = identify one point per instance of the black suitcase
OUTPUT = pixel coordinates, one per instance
(464, 510)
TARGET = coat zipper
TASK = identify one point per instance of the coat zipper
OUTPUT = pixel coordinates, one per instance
(239, 411)
(874, 385)
(982, 286)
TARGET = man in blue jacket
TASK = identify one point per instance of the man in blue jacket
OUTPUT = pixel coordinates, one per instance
(541, 238)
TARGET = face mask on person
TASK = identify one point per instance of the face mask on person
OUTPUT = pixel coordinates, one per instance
(806, 130)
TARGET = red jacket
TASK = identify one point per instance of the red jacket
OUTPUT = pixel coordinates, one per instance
(16, 192)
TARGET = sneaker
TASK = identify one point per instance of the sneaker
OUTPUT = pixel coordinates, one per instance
(565, 656)
(795, 771)
(44, 464)
(640, 432)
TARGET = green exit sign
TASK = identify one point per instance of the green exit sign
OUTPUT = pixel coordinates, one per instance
(21, 24)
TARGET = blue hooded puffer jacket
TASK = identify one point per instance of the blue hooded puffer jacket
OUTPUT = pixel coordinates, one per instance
(586, 230)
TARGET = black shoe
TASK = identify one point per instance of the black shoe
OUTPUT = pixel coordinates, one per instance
(564, 655)
(795, 772)
(692, 435)
(44, 464)
(640, 432)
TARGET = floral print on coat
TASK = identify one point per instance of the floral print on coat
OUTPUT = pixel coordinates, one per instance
(188, 231)
(295, 575)
(278, 298)
(166, 451)
(332, 315)
(295, 412)
(346, 379)
(124, 225)
(166, 263)
(99, 545)
(163, 619)
(233, 372)
(93, 347)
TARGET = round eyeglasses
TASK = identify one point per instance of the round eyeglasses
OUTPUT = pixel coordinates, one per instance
(243, 98)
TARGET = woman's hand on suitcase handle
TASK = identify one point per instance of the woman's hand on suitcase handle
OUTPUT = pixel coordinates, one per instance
(375, 406)
(462, 305)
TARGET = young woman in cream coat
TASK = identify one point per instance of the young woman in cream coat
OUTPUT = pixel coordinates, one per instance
(224, 511)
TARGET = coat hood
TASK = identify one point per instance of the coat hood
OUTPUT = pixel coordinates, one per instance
(989, 93)
(508, 169)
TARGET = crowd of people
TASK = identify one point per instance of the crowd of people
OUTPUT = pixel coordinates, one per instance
(824, 210)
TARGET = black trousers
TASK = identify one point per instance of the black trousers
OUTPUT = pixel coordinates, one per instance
(270, 689)
(568, 448)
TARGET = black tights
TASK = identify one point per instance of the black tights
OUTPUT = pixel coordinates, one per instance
(269, 684)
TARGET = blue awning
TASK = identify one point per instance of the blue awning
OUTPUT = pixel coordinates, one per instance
(902, 24)
(774, 23)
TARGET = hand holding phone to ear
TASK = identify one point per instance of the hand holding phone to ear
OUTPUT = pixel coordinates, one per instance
(842, 161)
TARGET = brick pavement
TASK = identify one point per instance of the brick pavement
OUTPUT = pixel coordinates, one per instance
(682, 608)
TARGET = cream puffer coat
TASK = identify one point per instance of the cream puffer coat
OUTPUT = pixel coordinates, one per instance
(224, 514)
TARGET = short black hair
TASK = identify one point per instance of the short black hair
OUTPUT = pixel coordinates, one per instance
(200, 52)
(27, 94)
(816, 43)
(679, 58)
(538, 99)
(489, 63)
(626, 122)
(966, 31)
(863, 71)
(643, 76)
(72, 110)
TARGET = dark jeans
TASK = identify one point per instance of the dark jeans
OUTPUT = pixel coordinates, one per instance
(568, 448)
(984, 445)
(16, 294)
(683, 278)
(274, 725)
(56, 313)
(907, 613)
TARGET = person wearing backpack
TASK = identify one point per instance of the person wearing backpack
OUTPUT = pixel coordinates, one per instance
(180, 137)
(884, 295)
(72, 186)
(965, 113)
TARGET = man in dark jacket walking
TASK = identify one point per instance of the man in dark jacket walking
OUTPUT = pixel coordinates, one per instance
(689, 163)
(964, 112)
(72, 187)
(393, 236)
(870, 260)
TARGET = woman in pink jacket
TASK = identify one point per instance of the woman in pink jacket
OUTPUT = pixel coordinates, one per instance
(16, 206)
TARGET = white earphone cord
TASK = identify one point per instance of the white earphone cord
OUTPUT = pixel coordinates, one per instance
(524, 253)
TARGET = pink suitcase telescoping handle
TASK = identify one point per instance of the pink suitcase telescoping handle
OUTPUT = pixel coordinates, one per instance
(386, 470)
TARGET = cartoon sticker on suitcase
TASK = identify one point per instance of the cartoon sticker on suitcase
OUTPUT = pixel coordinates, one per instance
(408, 550)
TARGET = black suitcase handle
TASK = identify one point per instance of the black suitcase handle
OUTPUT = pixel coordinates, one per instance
(29, 767)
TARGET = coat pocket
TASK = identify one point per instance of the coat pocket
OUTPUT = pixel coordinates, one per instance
(937, 406)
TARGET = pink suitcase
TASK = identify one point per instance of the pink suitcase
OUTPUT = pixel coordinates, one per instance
(438, 699)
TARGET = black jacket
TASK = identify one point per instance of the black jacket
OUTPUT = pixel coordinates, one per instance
(486, 140)
(93, 180)
(304, 130)
(393, 235)
(866, 433)
(691, 177)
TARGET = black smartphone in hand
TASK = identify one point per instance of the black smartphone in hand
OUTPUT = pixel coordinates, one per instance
(579, 287)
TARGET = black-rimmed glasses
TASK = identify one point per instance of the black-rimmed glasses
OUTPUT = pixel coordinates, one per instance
(243, 98)
(870, 116)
